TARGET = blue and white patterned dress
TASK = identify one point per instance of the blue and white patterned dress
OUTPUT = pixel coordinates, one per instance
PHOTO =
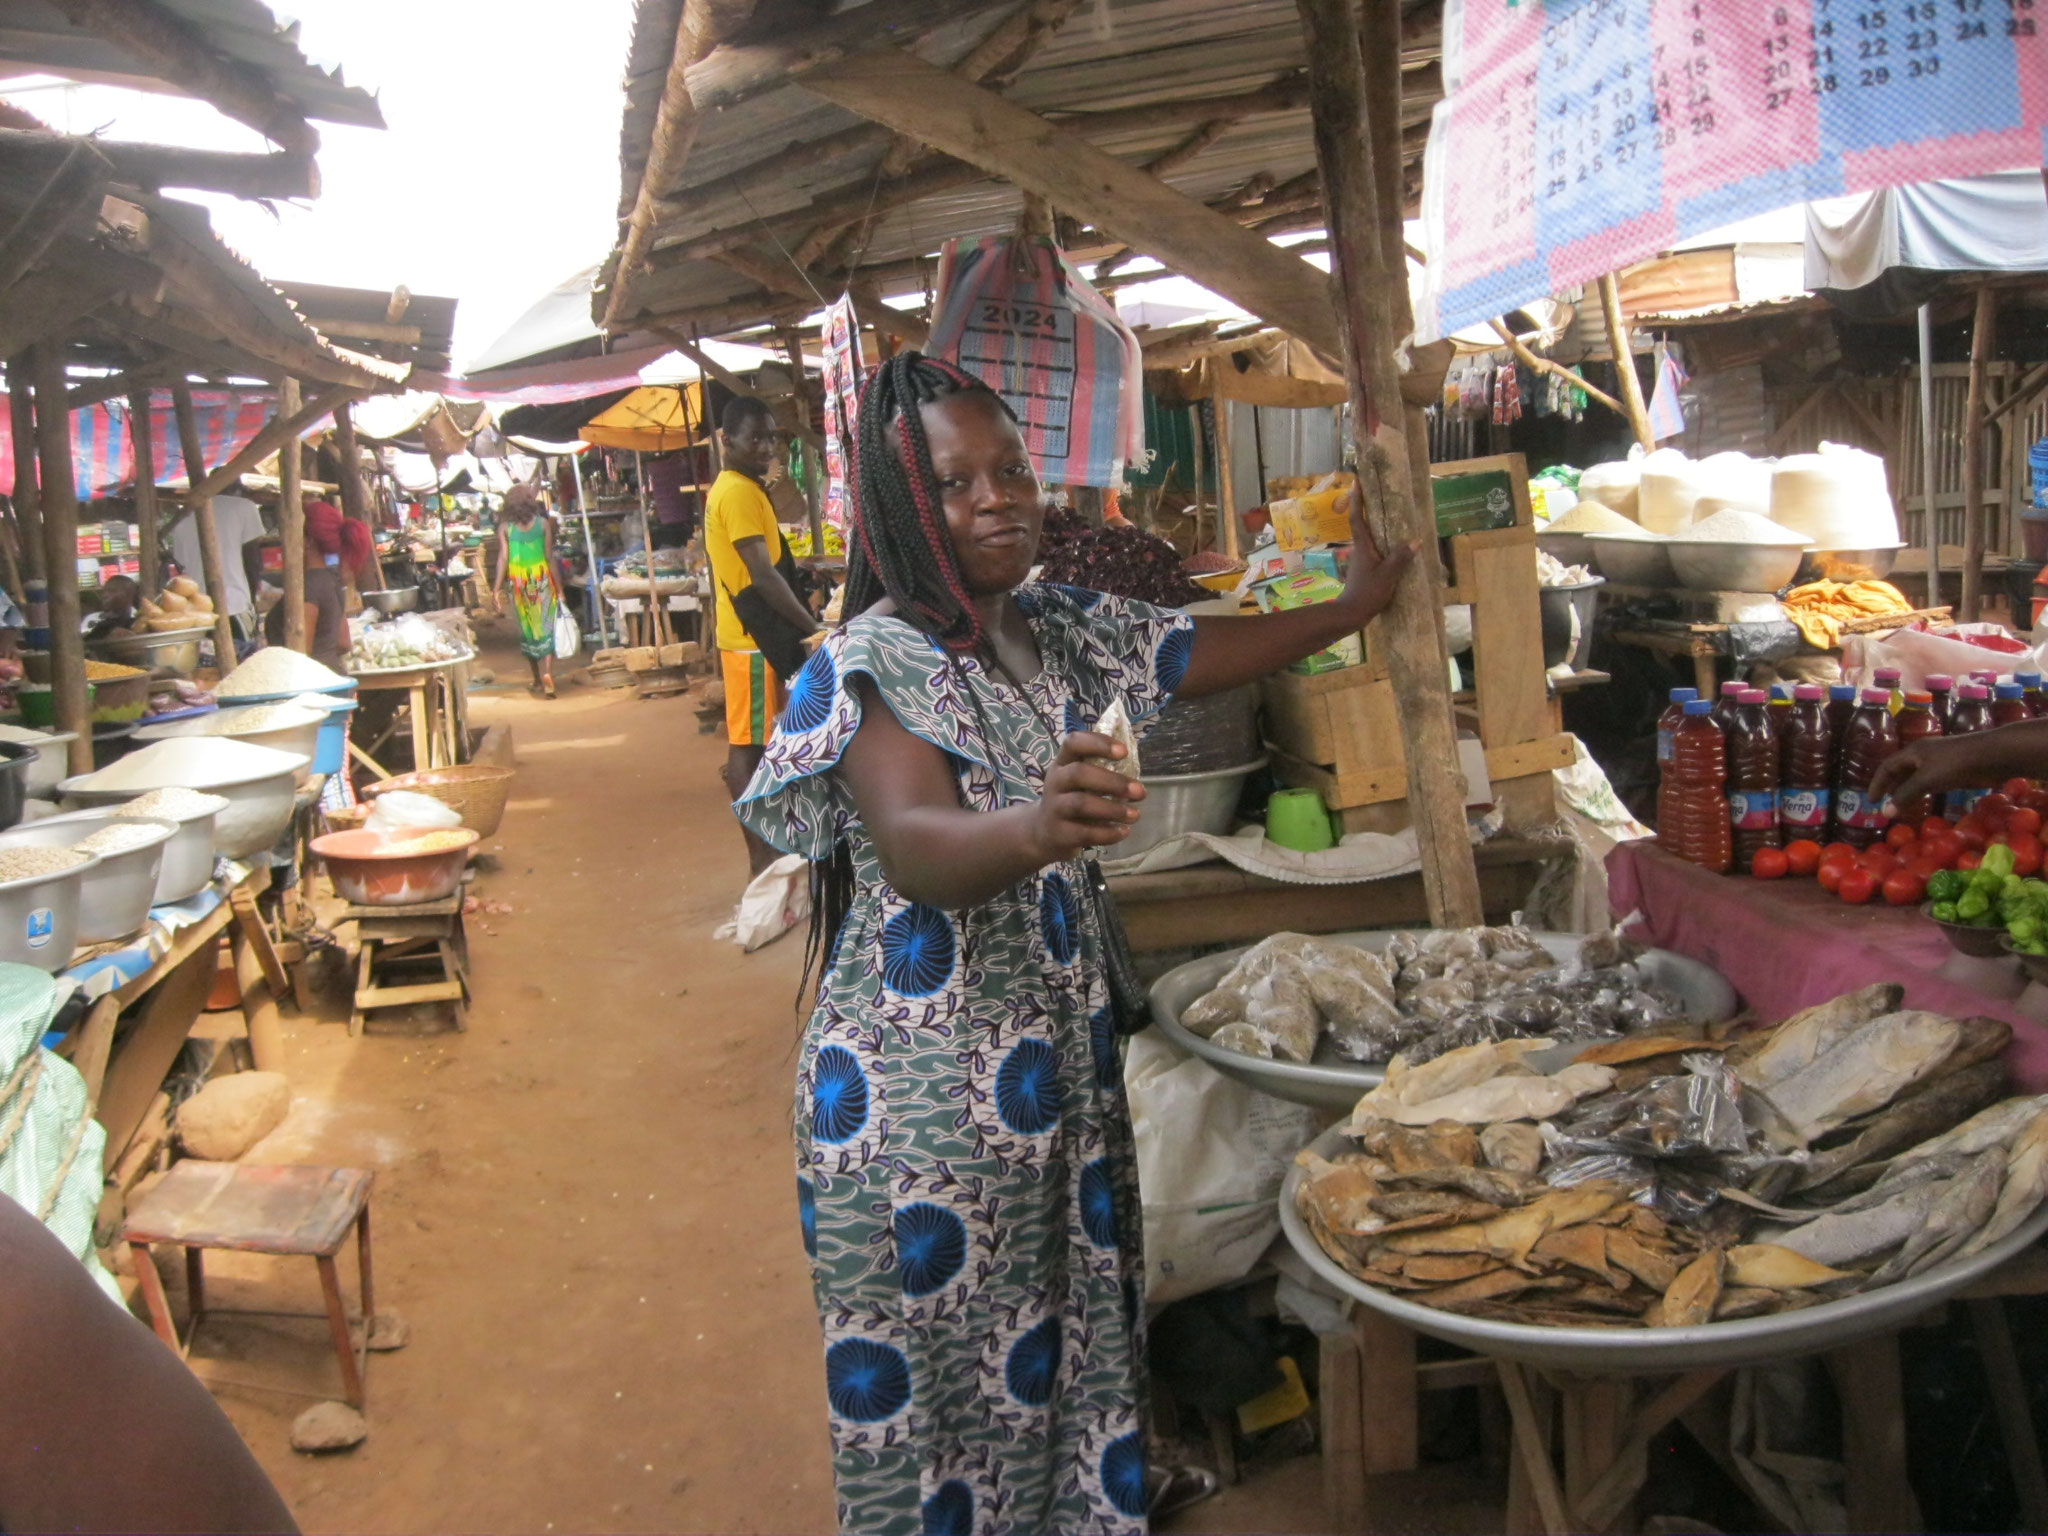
(964, 1160)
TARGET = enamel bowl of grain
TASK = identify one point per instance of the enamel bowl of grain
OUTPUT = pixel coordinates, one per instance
(373, 870)
(115, 893)
(258, 783)
(39, 890)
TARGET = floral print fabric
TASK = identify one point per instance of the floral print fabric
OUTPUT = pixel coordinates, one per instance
(965, 1171)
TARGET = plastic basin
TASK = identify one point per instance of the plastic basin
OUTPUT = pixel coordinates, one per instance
(362, 873)
(115, 893)
(39, 919)
(304, 739)
(258, 809)
(52, 763)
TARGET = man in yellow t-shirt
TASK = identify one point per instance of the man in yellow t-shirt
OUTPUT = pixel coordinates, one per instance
(743, 543)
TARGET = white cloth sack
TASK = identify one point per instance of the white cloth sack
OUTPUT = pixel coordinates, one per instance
(774, 902)
(1211, 1156)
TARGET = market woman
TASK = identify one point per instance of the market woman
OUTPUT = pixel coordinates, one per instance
(965, 1168)
(526, 558)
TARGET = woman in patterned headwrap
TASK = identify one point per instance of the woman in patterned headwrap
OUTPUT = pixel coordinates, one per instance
(964, 1161)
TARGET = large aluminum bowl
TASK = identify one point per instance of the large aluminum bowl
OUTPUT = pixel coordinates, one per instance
(1652, 1351)
(1628, 560)
(259, 807)
(1176, 803)
(115, 893)
(1333, 1082)
(39, 918)
(1706, 566)
(300, 735)
(393, 599)
(1849, 564)
(160, 650)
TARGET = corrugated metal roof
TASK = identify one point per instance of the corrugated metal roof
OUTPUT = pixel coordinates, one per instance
(38, 37)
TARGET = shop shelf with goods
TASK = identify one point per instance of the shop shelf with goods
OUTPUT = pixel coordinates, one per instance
(1339, 733)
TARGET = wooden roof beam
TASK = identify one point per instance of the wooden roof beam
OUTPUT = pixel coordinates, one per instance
(275, 434)
(745, 69)
(703, 26)
(162, 44)
(982, 128)
(156, 166)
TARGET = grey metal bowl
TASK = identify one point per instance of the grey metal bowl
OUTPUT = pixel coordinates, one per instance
(1335, 1082)
(394, 599)
(1748, 1341)
(1716, 567)
(166, 650)
(39, 918)
(1849, 564)
(1571, 548)
(115, 893)
(1185, 802)
(1628, 561)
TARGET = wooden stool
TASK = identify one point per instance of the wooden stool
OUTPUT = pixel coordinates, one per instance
(292, 1211)
(402, 944)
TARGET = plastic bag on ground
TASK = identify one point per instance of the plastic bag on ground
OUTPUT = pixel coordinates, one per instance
(775, 901)
(403, 812)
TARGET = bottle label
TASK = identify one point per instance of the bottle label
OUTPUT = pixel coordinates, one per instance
(1751, 810)
(1853, 808)
(1963, 801)
(1667, 747)
(1806, 809)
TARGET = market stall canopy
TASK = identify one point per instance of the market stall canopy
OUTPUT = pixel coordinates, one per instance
(653, 419)
(420, 422)
(1884, 253)
(399, 325)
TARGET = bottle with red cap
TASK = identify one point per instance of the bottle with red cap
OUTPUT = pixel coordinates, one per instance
(1916, 723)
(1893, 681)
(1872, 737)
(1753, 779)
(1973, 714)
(1699, 805)
(1806, 777)
(2009, 704)
(1943, 688)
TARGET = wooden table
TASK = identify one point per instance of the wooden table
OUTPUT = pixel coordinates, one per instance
(1214, 904)
(1703, 644)
(437, 705)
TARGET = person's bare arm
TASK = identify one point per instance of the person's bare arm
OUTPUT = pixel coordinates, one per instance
(754, 551)
(504, 564)
(1980, 760)
(935, 850)
(1229, 652)
(101, 1427)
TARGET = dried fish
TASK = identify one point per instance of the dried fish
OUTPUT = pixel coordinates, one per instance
(1613, 1053)
(1514, 1146)
(1442, 1206)
(1509, 1097)
(1779, 1269)
(1502, 1282)
(1806, 1036)
(1861, 1237)
(1965, 1205)
(1405, 1148)
(1496, 1186)
(1865, 1071)
(1445, 1268)
(1341, 1194)
(1739, 1301)
(2026, 1185)
(1692, 1296)
(1583, 1247)
(1652, 1266)
(1931, 1109)
(1993, 1127)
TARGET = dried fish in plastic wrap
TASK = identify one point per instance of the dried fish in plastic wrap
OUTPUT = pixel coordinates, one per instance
(1692, 1114)
(1280, 1007)
(1210, 1012)
(1603, 951)
(1245, 1039)
(1355, 995)
(1116, 725)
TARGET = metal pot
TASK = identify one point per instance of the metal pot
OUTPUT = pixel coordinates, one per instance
(116, 892)
(1186, 802)
(393, 599)
(17, 762)
(1631, 561)
(1718, 567)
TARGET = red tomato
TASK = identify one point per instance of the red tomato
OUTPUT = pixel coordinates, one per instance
(2026, 855)
(2012, 789)
(1975, 839)
(1970, 858)
(1857, 887)
(1935, 824)
(1907, 851)
(2036, 800)
(1925, 869)
(1903, 888)
(1802, 856)
(1995, 805)
(1830, 875)
(1900, 833)
(2024, 820)
(1839, 853)
(1942, 847)
(1879, 861)
(1769, 864)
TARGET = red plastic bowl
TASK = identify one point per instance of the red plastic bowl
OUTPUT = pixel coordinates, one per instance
(364, 874)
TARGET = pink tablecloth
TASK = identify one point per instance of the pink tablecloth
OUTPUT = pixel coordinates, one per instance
(1787, 944)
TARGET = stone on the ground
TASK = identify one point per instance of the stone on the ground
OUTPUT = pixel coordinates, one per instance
(231, 1114)
(329, 1427)
(388, 1330)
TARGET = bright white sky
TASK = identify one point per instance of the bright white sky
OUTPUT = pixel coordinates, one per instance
(497, 177)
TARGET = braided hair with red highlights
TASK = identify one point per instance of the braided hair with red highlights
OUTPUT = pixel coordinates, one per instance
(901, 548)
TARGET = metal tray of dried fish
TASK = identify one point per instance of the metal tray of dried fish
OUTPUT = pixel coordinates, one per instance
(1630, 1351)
(1330, 1081)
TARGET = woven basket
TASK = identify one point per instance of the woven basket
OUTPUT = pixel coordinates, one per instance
(475, 792)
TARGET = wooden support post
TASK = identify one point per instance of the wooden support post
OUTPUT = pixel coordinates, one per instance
(1625, 362)
(1983, 336)
(1343, 1407)
(10, 559)
(291, 522)
(60, 545)
(1197, 436)
(1410, 633)
(141, 433)
(354, 503)
(1226, 487)
(209, 534)
(28, 501)
(1878, 1495)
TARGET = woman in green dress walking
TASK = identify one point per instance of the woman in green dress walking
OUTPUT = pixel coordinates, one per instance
(526, 558)
(965, 1174)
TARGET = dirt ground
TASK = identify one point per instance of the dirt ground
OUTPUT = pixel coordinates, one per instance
(585, 1205)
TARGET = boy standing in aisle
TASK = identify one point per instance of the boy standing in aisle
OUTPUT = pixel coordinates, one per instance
(746, 550)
